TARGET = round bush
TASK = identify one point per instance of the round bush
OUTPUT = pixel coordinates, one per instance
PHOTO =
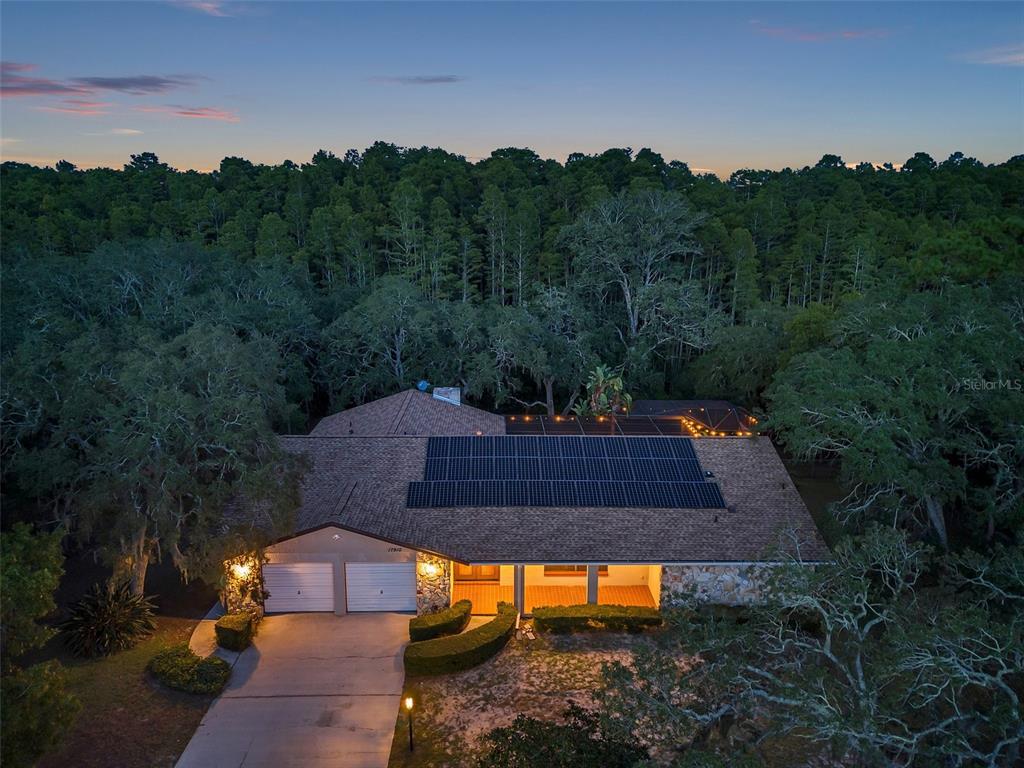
(178, 667)
(108, 619)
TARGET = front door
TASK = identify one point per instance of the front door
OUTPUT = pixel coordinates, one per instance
(477, 572)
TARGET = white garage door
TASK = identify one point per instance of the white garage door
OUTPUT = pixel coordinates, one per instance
(299, 587)
(380, 586)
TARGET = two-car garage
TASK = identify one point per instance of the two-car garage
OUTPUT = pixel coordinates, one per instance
(299, 586)
(338, 571)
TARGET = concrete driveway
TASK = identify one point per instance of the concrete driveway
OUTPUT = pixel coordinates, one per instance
(314, 690)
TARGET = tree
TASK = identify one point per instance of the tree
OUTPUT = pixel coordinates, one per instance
(630, 246)
(745, 277)
(494, 216)
(740, 363)
(903, 400)
(384, 343)
(274, 244)
(403, 234)
(547, 340)
(154, 437)
(440, 251)
(856, 656)
(629, 242)
(37, 709)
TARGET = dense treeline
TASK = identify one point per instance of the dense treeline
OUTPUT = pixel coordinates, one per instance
(160, 327)
(518, 231)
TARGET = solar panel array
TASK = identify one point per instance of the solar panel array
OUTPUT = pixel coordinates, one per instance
(566, 471)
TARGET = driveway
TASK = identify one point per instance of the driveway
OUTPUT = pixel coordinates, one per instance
(313, 690)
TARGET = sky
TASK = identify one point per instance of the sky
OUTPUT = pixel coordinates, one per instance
(719, 85)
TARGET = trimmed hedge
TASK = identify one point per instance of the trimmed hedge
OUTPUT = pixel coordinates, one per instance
(561, 619)
(450, 621)
(235, 630)
(458, 652)
(178, 667)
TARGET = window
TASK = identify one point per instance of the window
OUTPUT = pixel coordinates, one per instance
(572, 570)
(477, 572)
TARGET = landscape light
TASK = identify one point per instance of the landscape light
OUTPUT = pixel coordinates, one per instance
(408, 708)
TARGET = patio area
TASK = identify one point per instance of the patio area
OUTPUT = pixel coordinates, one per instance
(485, 597)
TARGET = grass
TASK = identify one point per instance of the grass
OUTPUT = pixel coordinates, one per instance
(126, 718)
(536, 678)
(433, 747)
(533, 677)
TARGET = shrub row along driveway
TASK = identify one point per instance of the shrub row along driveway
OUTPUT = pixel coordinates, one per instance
(313, 690)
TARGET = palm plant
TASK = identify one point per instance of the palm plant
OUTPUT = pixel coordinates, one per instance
(605, 394)
(108, 619)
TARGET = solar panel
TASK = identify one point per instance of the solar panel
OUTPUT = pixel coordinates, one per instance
(563, 471)
(534, 493)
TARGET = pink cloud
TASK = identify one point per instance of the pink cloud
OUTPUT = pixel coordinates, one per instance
(801, 35)
(200, 113)
(13, 82)
(82, 107)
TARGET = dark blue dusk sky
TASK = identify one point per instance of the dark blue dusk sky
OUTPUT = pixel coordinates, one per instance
(718, 85)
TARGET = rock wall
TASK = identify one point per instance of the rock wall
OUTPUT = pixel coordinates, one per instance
(242, 588)
(722, 584)
(433, 583)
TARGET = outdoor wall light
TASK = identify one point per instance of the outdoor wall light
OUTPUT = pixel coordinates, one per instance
(429, 570)
(240, 570)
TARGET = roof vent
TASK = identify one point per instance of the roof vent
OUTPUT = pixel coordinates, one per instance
(451, 395)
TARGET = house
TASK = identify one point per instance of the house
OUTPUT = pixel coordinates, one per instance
(412, 502)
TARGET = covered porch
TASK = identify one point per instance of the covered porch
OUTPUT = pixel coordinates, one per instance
(556, 584)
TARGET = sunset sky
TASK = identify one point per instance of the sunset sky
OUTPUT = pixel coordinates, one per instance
(720, 86)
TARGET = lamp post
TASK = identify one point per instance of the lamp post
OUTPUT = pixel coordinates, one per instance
(408, 708)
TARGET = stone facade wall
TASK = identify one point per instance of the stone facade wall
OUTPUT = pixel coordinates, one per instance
(242, 588)
(721, 584)
(433, 583)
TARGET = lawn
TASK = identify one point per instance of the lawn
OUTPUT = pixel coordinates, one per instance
(126, 719)
(533, 677)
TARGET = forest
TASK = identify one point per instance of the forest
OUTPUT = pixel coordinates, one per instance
(159, 328)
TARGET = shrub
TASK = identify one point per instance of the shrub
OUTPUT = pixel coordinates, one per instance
(450, 621)
(579, 742)
(37, 711)
(108, 619)
(581, 618)
(235, 630)
(458, 652)
(179, 668)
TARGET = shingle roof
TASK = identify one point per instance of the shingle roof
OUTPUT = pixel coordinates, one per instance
(410, 413)
(360, 483)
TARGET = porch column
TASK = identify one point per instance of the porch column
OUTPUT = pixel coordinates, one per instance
(592, 584)
(519, 587)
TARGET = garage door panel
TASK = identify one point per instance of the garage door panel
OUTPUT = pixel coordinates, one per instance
(295, 587)
(380, 586)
